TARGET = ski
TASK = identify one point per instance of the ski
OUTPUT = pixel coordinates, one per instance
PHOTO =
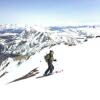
(55, 72)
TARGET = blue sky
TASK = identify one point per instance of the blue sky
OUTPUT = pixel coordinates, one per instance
(50, 12)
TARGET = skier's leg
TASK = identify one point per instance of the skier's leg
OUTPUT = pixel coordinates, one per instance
(47, 71)
(51, 68)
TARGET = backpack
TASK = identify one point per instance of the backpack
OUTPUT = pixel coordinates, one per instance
(46, 57)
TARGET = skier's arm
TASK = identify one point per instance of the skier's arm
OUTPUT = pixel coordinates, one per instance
(53, 59)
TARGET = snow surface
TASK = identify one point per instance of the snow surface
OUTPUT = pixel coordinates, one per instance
(80, 79)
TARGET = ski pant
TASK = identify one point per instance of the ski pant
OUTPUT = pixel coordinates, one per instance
(50, 68)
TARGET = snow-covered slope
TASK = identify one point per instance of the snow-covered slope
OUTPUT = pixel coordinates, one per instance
(20, 46)
(80, 79)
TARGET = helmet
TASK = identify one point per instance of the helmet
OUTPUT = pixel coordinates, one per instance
(51, 51)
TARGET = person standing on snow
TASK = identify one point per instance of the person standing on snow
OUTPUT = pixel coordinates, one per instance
(49, 59)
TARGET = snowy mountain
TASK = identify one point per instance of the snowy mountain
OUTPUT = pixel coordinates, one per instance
(22, 48)
(22, 40)
(80, 79)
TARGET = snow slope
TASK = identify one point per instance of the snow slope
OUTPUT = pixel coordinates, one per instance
(79, 81)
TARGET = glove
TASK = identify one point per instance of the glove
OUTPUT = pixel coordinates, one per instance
(55, 60)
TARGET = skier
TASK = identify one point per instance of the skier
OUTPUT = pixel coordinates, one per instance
(49, 59)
